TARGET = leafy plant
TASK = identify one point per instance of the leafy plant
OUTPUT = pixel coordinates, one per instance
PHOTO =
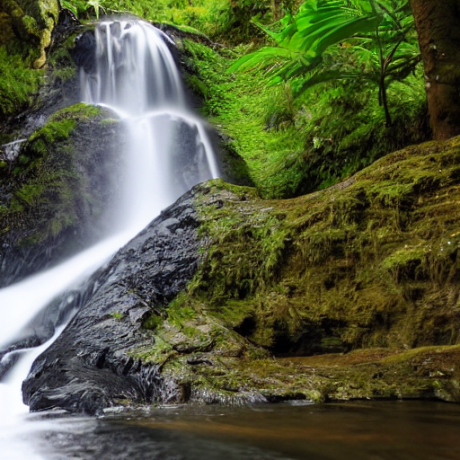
(380, 34)
(82, 7)
(294, 146)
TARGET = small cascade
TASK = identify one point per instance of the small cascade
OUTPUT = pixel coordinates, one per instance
(167, 152)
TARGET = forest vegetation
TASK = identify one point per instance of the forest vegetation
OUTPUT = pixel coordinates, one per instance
(307, 93)
(346, 238)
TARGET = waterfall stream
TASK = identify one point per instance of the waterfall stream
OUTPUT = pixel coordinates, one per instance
(167, 152)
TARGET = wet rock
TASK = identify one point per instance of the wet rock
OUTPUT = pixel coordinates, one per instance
(212, 356)
(84, 52)
(48, 219)
(89, 367)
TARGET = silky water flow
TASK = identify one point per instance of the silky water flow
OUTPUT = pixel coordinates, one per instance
(167, 151)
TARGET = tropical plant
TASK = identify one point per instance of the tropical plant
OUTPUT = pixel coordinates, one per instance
(380, 33)
(82, 7)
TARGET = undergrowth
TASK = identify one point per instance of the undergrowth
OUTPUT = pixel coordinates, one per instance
(18, 83)
(227, 21)
(295, 146)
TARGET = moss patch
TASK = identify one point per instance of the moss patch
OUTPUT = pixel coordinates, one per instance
(370, 262)
(354, 288)
(49, 187)
(18, 83)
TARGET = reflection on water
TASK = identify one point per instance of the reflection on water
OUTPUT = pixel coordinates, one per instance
(349, 431)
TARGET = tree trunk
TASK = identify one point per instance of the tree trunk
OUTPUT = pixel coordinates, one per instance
(438, 28)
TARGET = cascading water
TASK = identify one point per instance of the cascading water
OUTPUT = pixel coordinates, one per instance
(167, 152)
(168, 149)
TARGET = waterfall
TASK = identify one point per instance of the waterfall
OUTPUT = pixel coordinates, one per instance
(167, 152)
(168, 149)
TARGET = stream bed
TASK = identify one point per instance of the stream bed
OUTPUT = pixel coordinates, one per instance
(347, 431)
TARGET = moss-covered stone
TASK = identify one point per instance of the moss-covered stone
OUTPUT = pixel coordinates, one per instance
(26, 27)
(358, 283)
(55, 195)
(32, 22)
(370, 262)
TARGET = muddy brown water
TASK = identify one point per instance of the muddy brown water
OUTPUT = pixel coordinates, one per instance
(347, 431)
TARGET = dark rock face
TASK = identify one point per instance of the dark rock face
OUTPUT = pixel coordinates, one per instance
(89, 165)
(89, 367)
(84, 51)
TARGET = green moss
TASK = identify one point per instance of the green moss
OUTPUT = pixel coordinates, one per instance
(370, 262)
(365, 374)
(58, 128)
(179, 312)
(49, 188)
(110, 121)
(158, 353)
(152, 322)
(223, 20)
(77, 112)
(18, 83)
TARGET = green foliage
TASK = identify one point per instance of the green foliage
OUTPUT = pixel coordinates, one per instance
(18, 83)
(381, 34)
(83, 8)
(297, 145)
(345, 127)
(224, 20)
(318, 25)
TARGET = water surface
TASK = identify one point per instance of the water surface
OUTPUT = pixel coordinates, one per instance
(348, 431)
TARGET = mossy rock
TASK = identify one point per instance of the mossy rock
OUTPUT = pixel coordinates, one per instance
(57, 193)
(370, 262)
(25, 41)
(30, 22)
(351, 292)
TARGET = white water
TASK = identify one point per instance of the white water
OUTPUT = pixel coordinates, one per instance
(11, 150)
(137, 78)
(14, 431)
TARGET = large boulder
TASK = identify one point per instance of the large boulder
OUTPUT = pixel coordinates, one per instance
(351, 292)
(91, 365)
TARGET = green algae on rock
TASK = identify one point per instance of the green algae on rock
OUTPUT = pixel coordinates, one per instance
(31, 21)
(57, 186)
(370, 262)
(369, 265)
(26, 28)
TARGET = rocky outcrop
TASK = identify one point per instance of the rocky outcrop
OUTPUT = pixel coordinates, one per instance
(55, 196)
(32, 22)
(229, 298)
(90, 365)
